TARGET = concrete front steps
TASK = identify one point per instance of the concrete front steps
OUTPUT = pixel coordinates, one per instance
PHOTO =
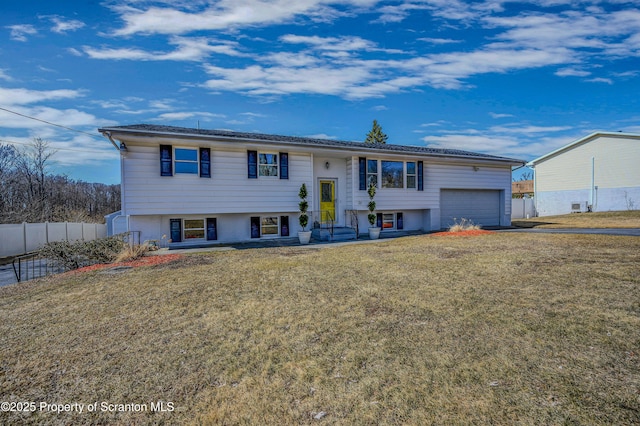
(339, 234)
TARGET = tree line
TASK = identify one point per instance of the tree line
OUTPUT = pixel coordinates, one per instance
(31, 193)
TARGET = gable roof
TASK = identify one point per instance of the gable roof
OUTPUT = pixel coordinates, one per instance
(151, 129)
(582, 141)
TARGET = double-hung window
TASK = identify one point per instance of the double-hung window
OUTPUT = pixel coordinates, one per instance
(269, 226)
(267, 164)
(186, 160)
(183, 160)
(193, 229)
(372, 173)
(411, 175)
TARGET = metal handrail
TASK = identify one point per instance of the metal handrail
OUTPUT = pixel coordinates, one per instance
(353, 216)
(31, 265)
(324, 219)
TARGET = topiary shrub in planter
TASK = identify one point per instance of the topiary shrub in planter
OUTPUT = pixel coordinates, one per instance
(304, 236)
(374, 231)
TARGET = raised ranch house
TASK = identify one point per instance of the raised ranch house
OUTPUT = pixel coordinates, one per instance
(200, 186)
(597, 173)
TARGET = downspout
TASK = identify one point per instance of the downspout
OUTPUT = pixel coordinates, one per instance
(535, 189)
(122, 191)
(593, 184)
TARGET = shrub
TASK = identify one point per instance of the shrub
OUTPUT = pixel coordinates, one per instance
(372, 204)
(463, 225)
(83, 253)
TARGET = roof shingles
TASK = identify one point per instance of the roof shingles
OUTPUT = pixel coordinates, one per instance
(172, 130)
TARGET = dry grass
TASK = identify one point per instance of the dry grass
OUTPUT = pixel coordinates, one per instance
(131, 252)
(495, 329)
(623, 219)
(463, 225)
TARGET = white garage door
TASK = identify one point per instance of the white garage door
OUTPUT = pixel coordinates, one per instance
(480, 206)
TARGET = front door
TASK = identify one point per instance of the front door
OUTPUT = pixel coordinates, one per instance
(327, 201)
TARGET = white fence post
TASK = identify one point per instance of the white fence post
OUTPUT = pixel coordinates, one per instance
(17, 239)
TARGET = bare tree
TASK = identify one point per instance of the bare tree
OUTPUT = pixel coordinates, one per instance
(30, 192)
(33, 165)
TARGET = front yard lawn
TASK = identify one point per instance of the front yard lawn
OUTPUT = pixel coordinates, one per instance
(622, 219)
(496, 329)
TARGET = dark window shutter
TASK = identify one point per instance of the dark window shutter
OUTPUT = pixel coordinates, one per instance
(362, 173)
(284, 226)
(166, 160)
(399, 221)
(212, 228)
(284, 165)
(379, 220)
(252, 164)
(205, 162)
(420, 176)
(176, 230)
(255, 226)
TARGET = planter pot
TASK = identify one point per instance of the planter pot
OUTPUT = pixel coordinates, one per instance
(374, 233)
(304, 237)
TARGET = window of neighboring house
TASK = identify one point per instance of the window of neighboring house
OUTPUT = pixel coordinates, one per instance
(411, 175)
(372, 173)
(193, 229)
(267, 164)
(392, 174)
(186, 160)
(269, 226)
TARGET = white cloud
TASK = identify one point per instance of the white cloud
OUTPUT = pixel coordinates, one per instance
(61, 26)
(257, 80)
(330, 43)
(321, 136)
(225, 14)
(439, 40)
(188, 49)
(528, 129)
(572, 72)
(20, 96)
(336, 65)
(64, 117)
(499, 115)
(20, 32)
(518, 140)
(177, 116)
(600, 80)
(4, 76)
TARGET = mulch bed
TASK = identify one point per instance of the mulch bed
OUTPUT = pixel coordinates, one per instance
(470, 233)
(144, 261)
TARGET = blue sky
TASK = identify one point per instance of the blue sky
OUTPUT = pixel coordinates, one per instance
(517, 79)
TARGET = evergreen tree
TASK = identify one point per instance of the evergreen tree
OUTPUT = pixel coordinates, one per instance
(376, 135)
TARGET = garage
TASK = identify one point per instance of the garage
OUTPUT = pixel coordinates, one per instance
(482, 207)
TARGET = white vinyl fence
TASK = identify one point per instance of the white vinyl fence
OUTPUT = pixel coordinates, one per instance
(20, 238)
(522, 208)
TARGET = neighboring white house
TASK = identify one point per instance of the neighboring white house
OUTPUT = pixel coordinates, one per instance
(193, 185)
(599, 172)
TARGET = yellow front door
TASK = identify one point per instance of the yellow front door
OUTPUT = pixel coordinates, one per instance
(327, 201)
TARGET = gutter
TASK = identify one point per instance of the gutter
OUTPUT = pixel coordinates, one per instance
(108, 136)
